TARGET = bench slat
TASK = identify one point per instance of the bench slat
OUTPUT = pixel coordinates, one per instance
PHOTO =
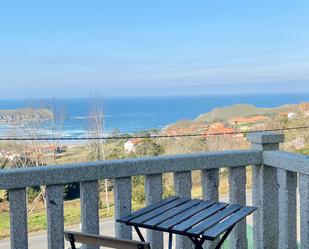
(99, 240)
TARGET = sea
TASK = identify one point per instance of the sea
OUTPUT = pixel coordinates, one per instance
(134, 114)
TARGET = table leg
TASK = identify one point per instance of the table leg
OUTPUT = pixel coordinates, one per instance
(198, 243)
(141, 237)
(170, 240)
(224, 237)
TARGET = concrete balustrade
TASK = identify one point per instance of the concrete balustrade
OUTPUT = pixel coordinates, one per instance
(237, 195)
(81, 172)
(55, 219)
(274, 192)
(210, 191)
(287, 183)
(89, 196)
(183, 187)
(18, 218)
(123, 205)
(304, 210)
(265, 193)
(153, 193)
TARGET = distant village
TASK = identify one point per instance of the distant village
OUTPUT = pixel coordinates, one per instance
(233, 128)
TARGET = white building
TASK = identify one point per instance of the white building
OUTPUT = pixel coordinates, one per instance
(129, 146)
(291, 115)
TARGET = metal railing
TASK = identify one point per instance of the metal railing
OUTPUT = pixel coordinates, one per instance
(273, 192)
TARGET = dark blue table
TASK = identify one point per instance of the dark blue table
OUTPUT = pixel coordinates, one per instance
(197, 219)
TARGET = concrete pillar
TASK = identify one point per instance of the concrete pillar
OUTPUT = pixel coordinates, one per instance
(237, 195)
(265, 193)
(210, 191)
(183, 187)
(304, 211)
(18, 218)
(153, 193)
(55, 219)
(89, 196)
(123, 205)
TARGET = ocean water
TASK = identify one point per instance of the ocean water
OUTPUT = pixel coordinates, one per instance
(132, 114)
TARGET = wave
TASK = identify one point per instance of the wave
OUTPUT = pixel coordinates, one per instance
(6, 126)
(88, 117)
(79, 118)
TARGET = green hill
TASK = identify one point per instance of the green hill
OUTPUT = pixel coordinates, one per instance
(241, 110)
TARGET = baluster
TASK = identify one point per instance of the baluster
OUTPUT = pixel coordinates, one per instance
(304, 211)
(210, 185)
(153, 192)
(18, 218)
(123, 206)
(54, 203)
(89, 196)
(237, 195)
(183, 187)
(287, 182)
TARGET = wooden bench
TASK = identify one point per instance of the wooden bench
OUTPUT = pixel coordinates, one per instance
(99, 240)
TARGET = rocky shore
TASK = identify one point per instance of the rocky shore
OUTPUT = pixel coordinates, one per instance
(24, 115)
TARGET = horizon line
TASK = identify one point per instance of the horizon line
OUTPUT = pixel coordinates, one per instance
(154, 96)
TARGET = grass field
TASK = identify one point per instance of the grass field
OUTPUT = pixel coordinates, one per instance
(37, 220)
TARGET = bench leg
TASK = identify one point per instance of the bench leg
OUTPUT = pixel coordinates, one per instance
(72, 241)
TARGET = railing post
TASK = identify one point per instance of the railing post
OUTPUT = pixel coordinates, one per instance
(304, 210)
(123, 205)
(153, 193)
(210, 191)
(237, 195)
(89, 195)
(18, 218)
(265, 193)
(183, 187)
(55, 219)
(287, 183)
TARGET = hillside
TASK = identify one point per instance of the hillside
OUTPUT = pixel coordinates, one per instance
(24, 115)
(241, 110)
(227, 113)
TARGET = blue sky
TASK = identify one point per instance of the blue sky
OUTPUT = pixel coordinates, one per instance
(73, 48)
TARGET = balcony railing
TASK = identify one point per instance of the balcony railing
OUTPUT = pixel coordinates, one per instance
(274, 185)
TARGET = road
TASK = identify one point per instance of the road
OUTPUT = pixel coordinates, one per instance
(107, 227)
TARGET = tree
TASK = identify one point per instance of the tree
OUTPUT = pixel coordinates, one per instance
(148, 148)
(38, 151)
(97, 144)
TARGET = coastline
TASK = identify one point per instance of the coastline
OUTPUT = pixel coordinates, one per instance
(131, 115)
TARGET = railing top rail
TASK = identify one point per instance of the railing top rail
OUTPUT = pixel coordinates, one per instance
(288, 161)
(62, 174)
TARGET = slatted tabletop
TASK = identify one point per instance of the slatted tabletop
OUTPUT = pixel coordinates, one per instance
(190, 217)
